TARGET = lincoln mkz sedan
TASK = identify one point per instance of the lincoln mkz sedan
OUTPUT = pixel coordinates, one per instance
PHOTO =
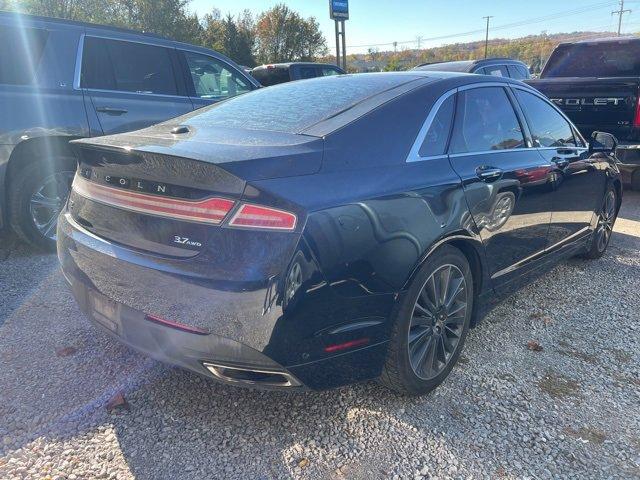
(334, 230)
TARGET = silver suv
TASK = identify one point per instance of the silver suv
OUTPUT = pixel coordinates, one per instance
(62, 80)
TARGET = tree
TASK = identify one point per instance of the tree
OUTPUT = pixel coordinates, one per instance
(282, 35)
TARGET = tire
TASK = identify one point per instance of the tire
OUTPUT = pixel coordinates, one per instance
(37, 193)
(635, 180)
(604, 229)
(403, 371)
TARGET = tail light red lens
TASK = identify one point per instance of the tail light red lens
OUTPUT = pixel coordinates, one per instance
(210, 210)
(256, 216)
(176, 325)
(636, 117)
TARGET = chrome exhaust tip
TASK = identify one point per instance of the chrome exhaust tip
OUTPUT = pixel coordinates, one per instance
(252, 376)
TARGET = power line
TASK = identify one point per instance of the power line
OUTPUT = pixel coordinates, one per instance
(519, 23)
(620, 12)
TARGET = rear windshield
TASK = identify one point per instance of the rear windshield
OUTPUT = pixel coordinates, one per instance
(611, 59)
(295, 106)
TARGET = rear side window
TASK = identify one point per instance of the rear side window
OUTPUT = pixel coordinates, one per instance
(435, 142)
(308, 72)
(214, 79)
(328, 71)
(518, 72)
(485, 120)
(127, 67)
(20, 53)
(271, 75)
(496, 71)
(548, 127)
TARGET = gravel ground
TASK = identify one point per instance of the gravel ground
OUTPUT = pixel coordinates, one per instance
(571, 410)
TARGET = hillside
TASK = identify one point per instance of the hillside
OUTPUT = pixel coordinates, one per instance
(533, 50)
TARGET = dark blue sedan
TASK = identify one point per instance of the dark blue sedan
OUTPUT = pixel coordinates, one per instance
(334, 230)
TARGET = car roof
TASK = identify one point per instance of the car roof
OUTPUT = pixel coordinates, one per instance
(467, 65)
(289, 64)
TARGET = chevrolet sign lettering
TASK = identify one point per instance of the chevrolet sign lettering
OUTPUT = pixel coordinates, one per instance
(579, 102)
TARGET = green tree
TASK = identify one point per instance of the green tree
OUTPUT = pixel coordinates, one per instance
(282, 35)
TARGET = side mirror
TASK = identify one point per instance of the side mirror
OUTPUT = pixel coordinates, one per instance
(602, 142)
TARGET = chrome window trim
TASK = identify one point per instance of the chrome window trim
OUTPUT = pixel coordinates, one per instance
(485, 152)
(414, 153)
(78, 69)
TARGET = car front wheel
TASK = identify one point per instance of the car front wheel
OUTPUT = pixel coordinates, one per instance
(604, 228)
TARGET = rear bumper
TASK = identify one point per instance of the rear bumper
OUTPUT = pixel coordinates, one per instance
(241, 330)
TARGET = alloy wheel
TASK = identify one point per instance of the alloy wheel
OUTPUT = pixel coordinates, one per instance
(606, 220)
(47, 202)
(437, 321)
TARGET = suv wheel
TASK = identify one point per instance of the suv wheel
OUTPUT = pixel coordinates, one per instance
(431, 324)
(37, 195)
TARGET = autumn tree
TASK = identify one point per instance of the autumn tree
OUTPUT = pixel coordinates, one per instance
(282, 35)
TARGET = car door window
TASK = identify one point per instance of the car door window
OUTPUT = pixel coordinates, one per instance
(214, 79)
(548, 127)
(328, 71)
(496, 71)
(518, 72)
(21, 50)
(127, 67)
(308, 72)
(485, 120)
(435, 141)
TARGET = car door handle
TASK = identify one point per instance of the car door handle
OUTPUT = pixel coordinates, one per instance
(111, 110)
(561, 162)
(489, 174)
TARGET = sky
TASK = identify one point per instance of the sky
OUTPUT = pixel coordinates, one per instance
(374, 23)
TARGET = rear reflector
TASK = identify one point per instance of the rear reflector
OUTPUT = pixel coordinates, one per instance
(210, 210)
(176, 325)
(346, 345)
(255, 216)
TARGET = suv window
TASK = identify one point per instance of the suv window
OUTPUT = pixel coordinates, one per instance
(548, 127)
(214, 79)
(271, 75)
(518, 72)
(496, 71)
(127, 67)
(308, 72)
(485, 120)
(20, 51)
(328, 71)
(435, 141)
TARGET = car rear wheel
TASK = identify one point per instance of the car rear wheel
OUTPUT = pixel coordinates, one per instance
(604, 228)
(431, 324)
(37, 195)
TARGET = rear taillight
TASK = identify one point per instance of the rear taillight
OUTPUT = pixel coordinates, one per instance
(636, 117)
(209, 210)
(256, 216)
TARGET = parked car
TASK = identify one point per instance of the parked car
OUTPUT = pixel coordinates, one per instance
(358, 237)
(596, 83)
(276, 73)
(498, 67)
(63, 80)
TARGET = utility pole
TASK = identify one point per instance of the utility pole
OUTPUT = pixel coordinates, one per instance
(486, 38)
(620, 12)
(419, 41)
(395, 47)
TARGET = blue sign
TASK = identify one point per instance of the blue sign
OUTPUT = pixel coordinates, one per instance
(339, 9)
